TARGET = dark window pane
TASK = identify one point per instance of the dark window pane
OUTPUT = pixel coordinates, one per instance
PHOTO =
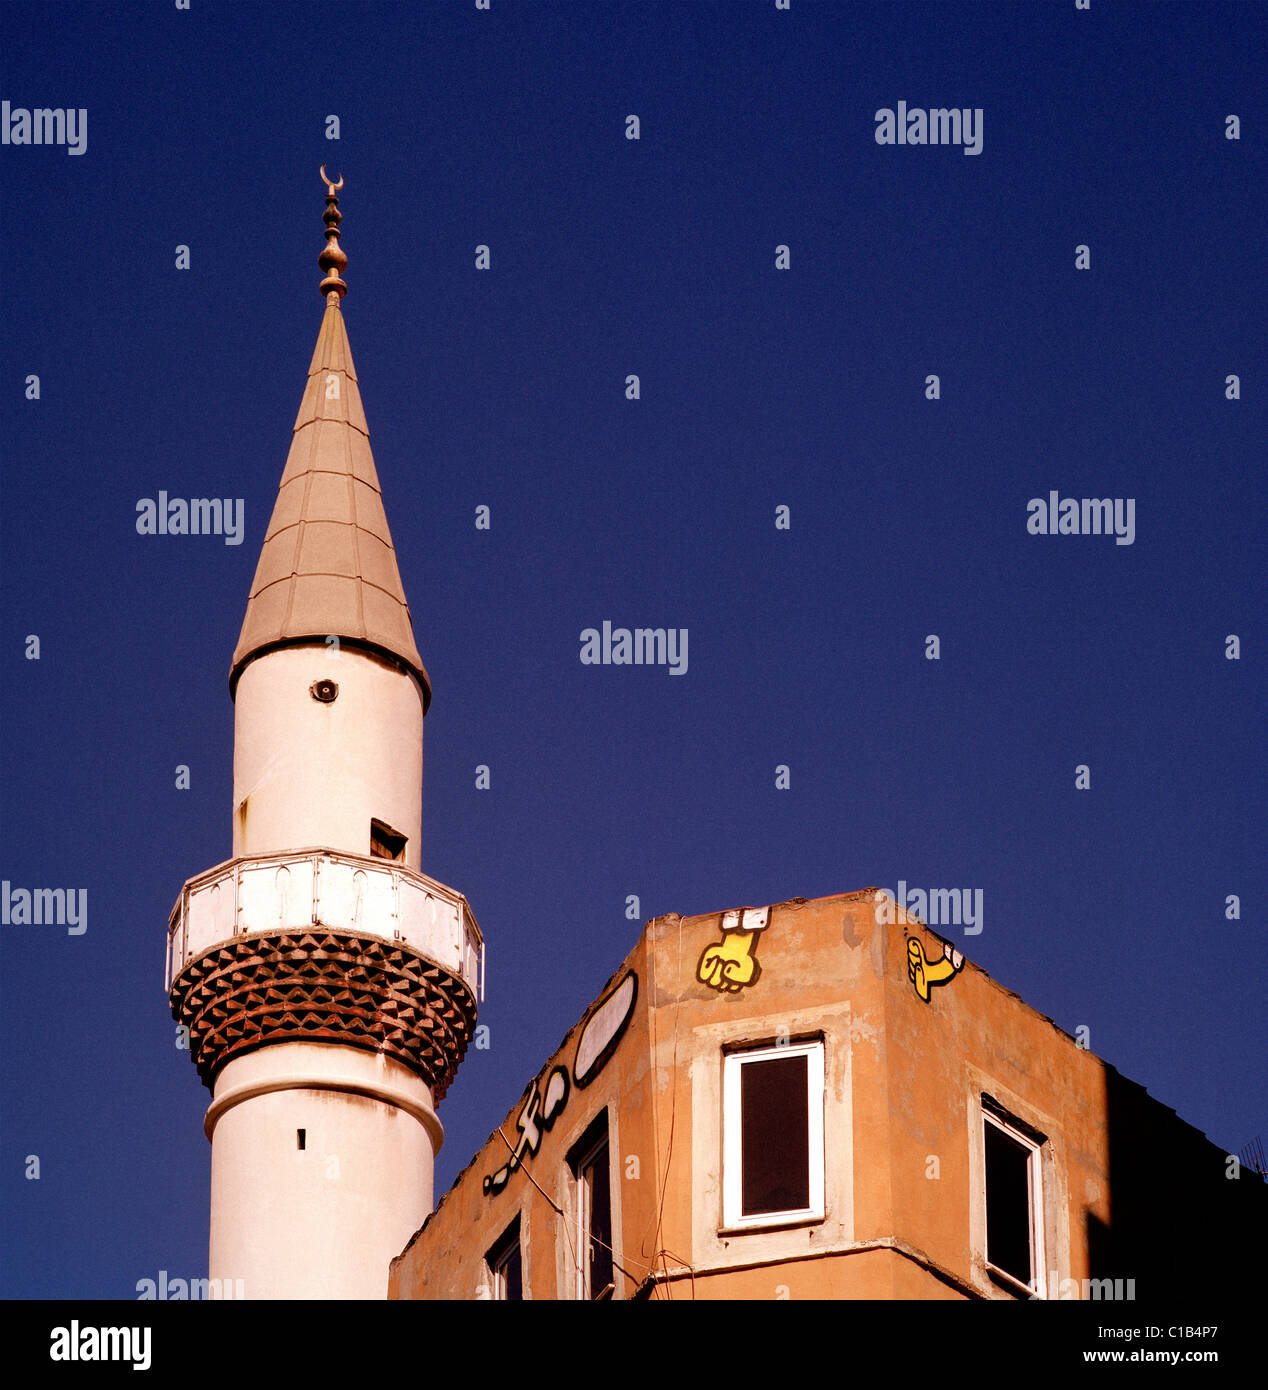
(511, 1274)
(504, 1263)
(385, 843)
(600, 1232)
(1007, 1204)
(775, 1135)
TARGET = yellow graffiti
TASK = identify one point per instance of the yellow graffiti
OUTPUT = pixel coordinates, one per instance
(925, 973)
(730, 964)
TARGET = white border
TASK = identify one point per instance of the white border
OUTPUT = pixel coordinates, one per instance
(1034, 1200)
(732, 1148)
(584, 1205)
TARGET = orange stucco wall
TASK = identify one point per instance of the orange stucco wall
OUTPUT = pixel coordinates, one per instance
(904, 1075)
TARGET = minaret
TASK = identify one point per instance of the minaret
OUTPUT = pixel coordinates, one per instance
(328, 985)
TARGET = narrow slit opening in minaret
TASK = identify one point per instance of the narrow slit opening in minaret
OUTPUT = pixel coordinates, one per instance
(386, 843)
(301, 1137)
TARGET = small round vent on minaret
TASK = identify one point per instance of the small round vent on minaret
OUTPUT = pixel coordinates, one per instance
(324, 691)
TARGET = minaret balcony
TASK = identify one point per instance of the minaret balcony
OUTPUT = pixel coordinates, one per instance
(303, 890)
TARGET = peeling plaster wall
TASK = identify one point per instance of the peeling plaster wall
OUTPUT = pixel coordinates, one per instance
(662, 1088)
(903, 1078)
(446, 1258)
(1129, 1189)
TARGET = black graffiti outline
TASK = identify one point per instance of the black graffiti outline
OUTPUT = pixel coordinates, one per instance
(539, 1112)
(612, 1043)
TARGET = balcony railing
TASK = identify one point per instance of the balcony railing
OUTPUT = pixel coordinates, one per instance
(303, 890)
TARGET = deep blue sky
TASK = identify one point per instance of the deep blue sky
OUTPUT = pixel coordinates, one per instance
(1103, 908)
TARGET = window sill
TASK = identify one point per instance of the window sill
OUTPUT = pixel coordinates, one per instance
(1011, 1284)
(773, 1221)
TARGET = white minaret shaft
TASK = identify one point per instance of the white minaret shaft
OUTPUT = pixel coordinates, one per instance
(328, 984)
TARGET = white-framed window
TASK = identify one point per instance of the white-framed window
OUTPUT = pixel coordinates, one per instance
(772, 1135)
(590, 1161)
(506, 1270)
(1012, 1154)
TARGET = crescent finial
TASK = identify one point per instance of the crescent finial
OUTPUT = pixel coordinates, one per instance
(333, 259)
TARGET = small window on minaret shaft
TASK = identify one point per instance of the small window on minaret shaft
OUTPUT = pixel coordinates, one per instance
(385, 843)
(301, 1137)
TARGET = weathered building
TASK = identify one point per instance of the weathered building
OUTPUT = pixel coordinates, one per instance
(823, 1099)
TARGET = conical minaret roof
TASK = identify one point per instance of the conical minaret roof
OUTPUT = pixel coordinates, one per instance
(328, 566)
